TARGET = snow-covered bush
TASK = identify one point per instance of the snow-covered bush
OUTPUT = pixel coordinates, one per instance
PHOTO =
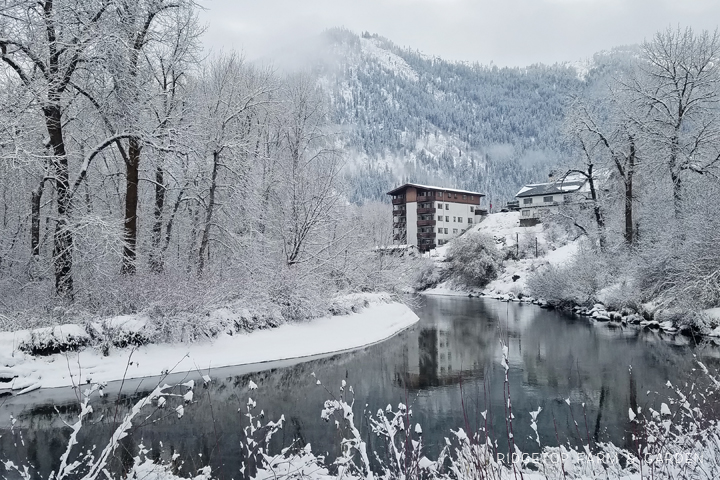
(50, 340)
(474, 258)
(623, 293)
(429, 275)
(575, 282)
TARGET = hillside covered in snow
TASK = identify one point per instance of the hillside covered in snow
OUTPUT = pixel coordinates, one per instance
(405, 116)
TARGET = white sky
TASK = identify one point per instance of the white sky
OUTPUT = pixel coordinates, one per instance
(505, 32)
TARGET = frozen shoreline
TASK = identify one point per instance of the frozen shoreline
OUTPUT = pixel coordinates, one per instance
(375, 323)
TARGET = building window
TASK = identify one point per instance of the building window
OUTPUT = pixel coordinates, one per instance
(446, 231)
(527, 201)
(472, 197)
(469, 220)
(454, 230)
(439, 218)
(439, 230)
(447, 206)
(456, 195)
(526, 213)
(454, 219)
(447, 219)
(472, 209)
(464, 197)
(439, 205)
(548, 199)
(460, 219)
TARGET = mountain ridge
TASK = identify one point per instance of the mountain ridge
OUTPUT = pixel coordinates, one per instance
(409, 117)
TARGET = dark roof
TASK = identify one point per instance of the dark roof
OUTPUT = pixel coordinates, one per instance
(430, 187)
(567, 186)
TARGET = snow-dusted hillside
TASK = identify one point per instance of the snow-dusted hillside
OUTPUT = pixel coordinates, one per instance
(405, 116)
(552, 248)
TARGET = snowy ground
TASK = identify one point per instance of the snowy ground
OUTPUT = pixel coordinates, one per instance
(379, 321)
(506, 230)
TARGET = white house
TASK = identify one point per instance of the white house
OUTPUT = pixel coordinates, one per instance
(540, 199)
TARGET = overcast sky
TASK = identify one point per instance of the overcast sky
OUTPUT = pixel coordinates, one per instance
(505, 32)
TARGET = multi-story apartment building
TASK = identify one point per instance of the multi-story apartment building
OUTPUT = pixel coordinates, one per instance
(428, 216)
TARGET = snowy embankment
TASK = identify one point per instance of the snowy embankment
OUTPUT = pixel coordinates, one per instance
(505, 229)
(23, 372)
(530, 249)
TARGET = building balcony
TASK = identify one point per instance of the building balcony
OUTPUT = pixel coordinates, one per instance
(402, 225)
(426, 198)
(398, 201)
(425, 210)
(426, 235)
(400, 237)
(426, 247)
(426, 223)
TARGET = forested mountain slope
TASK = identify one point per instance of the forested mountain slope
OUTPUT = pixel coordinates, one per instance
(409, 117)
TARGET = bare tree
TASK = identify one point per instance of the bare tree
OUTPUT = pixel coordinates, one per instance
(229, 99)
(676, 98)
(44, 43)
(309, 191)
(137, 21)
(612, 143)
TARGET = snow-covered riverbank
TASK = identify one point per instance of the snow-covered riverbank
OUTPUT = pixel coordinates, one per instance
(542, 247)
(533, 247)
(378, 321)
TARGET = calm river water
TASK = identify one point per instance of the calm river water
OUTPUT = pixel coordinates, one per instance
(447, 368)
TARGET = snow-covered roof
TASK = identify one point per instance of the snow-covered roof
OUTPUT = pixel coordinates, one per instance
(559, 186)
(432, 187)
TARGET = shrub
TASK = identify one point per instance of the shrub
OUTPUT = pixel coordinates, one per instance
(474, 259)
(575, 282)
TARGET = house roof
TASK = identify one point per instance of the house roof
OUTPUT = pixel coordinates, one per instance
(431, 187)
(536, 189)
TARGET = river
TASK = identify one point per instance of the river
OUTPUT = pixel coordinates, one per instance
(447, 368)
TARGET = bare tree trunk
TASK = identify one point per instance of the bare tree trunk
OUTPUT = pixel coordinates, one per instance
(599, 220)
(629, 173)
(677, 193)
(63, 240)
(35, 219)
(674, 170)
(208, 214)
(171, 220)
(131, 203)
(134, 151)
(157, 263)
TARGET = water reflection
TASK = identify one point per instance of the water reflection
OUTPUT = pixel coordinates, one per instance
(447, 368)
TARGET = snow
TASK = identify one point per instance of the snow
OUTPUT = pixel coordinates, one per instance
(525, 189)
(127, 323)
(387, 59)
(375, 323)
(505, 228)
(434, 187)
(713, 313)
(444, 289)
